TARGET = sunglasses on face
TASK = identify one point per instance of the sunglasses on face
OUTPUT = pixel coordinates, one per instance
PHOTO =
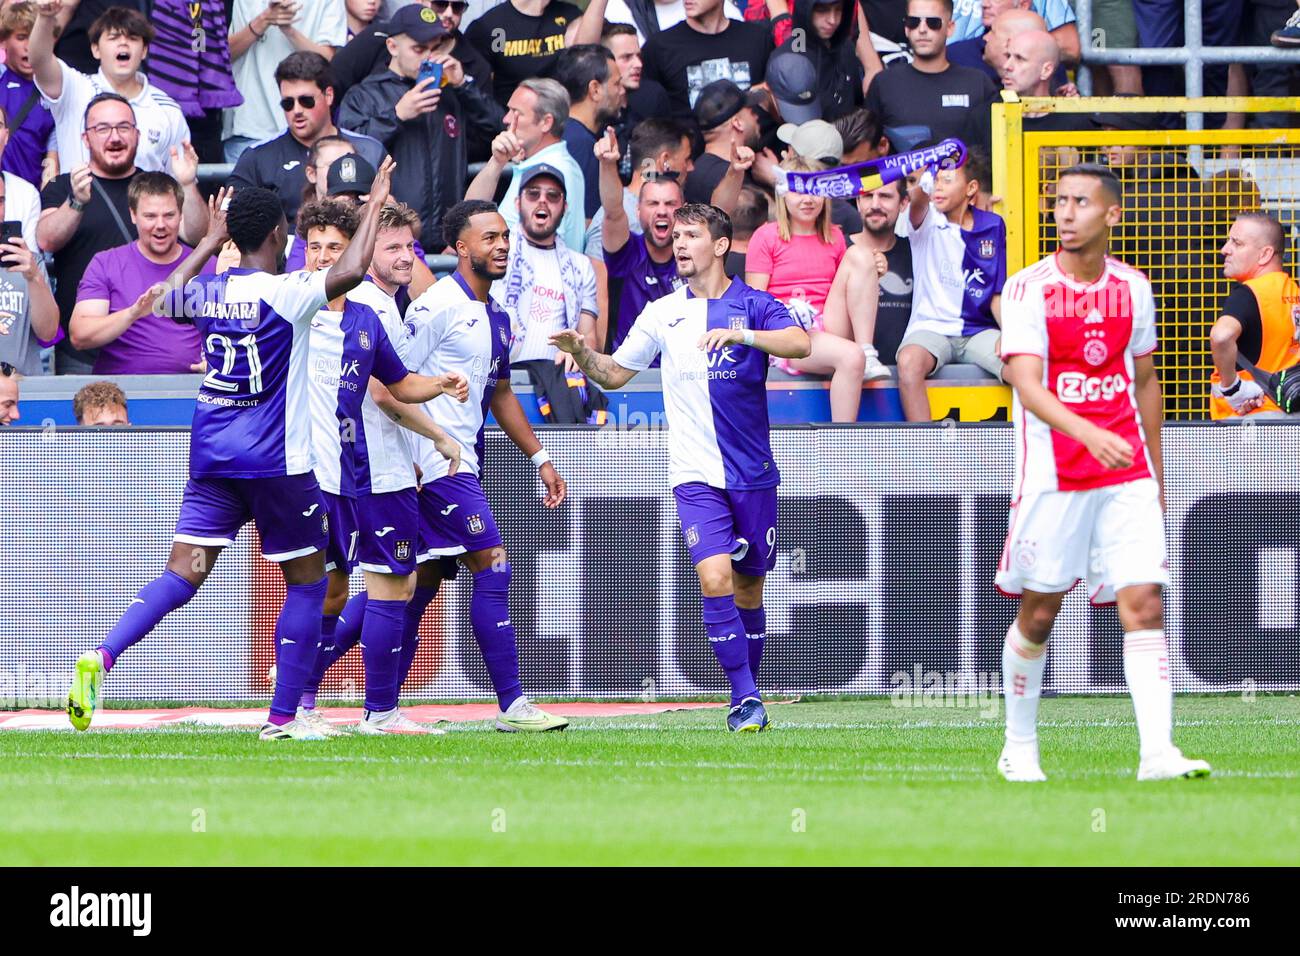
(306, 101)
(456, 6)
(6, 369)
(552, 195)
(914, 23)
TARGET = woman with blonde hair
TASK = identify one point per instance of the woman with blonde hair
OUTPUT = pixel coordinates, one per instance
(797, 260)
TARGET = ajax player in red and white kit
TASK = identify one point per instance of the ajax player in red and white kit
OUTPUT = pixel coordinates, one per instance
(1078, 333)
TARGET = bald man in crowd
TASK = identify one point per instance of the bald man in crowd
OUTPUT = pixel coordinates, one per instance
(1030, 67)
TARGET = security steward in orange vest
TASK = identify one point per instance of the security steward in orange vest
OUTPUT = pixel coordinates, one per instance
(1259, 320)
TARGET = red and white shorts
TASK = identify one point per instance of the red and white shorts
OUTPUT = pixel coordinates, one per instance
(1112, 537)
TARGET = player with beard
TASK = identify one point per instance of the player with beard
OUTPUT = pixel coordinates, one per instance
(457, 325)
(547, 288)
(715, 336)
(250, 442)
(351, 342)
(643, 262)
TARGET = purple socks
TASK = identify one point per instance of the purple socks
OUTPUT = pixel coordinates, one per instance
(297, 632)
(415, 609)
(489, 612)
(381, 650)
(754, 620)
(154, 602)
(328, 624)
(727, 638)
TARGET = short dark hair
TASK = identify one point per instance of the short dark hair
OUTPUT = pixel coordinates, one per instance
(323, 213)
(123, 20)
(858, 127)
(1103, 174)
(702, 213)
(253, 215)
(305, 65)
(153, 184)
(458, 216)
(1273, 231)
(578, 65)
(947, 5)
(650, 137)
(616, 30)
(752, 210)
(105, 98)
(977, 168)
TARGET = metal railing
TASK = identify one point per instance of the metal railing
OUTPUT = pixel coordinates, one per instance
(1192, 56)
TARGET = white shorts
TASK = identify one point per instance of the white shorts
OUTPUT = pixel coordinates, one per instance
(1113, 537)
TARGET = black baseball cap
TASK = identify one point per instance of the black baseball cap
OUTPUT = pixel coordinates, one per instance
(418, 22)
(792, 78)
(542, 169)
(720, 101)
(349, 173)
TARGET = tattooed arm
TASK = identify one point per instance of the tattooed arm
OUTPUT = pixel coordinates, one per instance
(601, 369)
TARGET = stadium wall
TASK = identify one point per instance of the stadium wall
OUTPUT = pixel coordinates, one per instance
(889, 537)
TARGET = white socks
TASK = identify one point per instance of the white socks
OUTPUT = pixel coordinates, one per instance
(1146, 670)
(1022, 681)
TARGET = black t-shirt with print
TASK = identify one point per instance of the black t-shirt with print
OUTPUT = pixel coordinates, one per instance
(519, 46)
(904, 96)
(685, 61)
(894, 305)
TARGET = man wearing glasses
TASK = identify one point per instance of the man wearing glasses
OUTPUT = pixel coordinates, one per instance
(120, 40)
(307, 95)
(930, 91)
(87, 210)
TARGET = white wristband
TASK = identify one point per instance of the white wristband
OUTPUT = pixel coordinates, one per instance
(541, 458)
(747, 337)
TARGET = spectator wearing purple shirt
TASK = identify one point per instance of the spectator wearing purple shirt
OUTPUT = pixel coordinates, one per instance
(30, 121)
(641, 267)
(114, 311)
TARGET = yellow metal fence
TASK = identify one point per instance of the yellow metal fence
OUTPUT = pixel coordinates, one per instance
(1181, 192)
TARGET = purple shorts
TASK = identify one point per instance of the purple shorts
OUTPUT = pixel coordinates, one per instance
(390, 530)
(739, 523)
(289, 511)
(341, 552)
(455, 518)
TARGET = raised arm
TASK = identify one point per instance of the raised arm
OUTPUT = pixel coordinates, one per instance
(616, 230)
(866, 52)
(206, 248)
(346, 274)
(92, 326)
(586, 29)
(505, 147)
(919, 186)
(40, 300)
(57, 225)
(601, 369)
(727, 193)
(40, 50)
(194, 211)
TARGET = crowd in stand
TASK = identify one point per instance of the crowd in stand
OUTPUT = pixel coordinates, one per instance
(591, 124)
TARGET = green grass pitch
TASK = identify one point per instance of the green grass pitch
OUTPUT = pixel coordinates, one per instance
(843, 782)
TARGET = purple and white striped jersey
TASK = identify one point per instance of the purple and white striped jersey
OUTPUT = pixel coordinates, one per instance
(716, 402)
(252, 418)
